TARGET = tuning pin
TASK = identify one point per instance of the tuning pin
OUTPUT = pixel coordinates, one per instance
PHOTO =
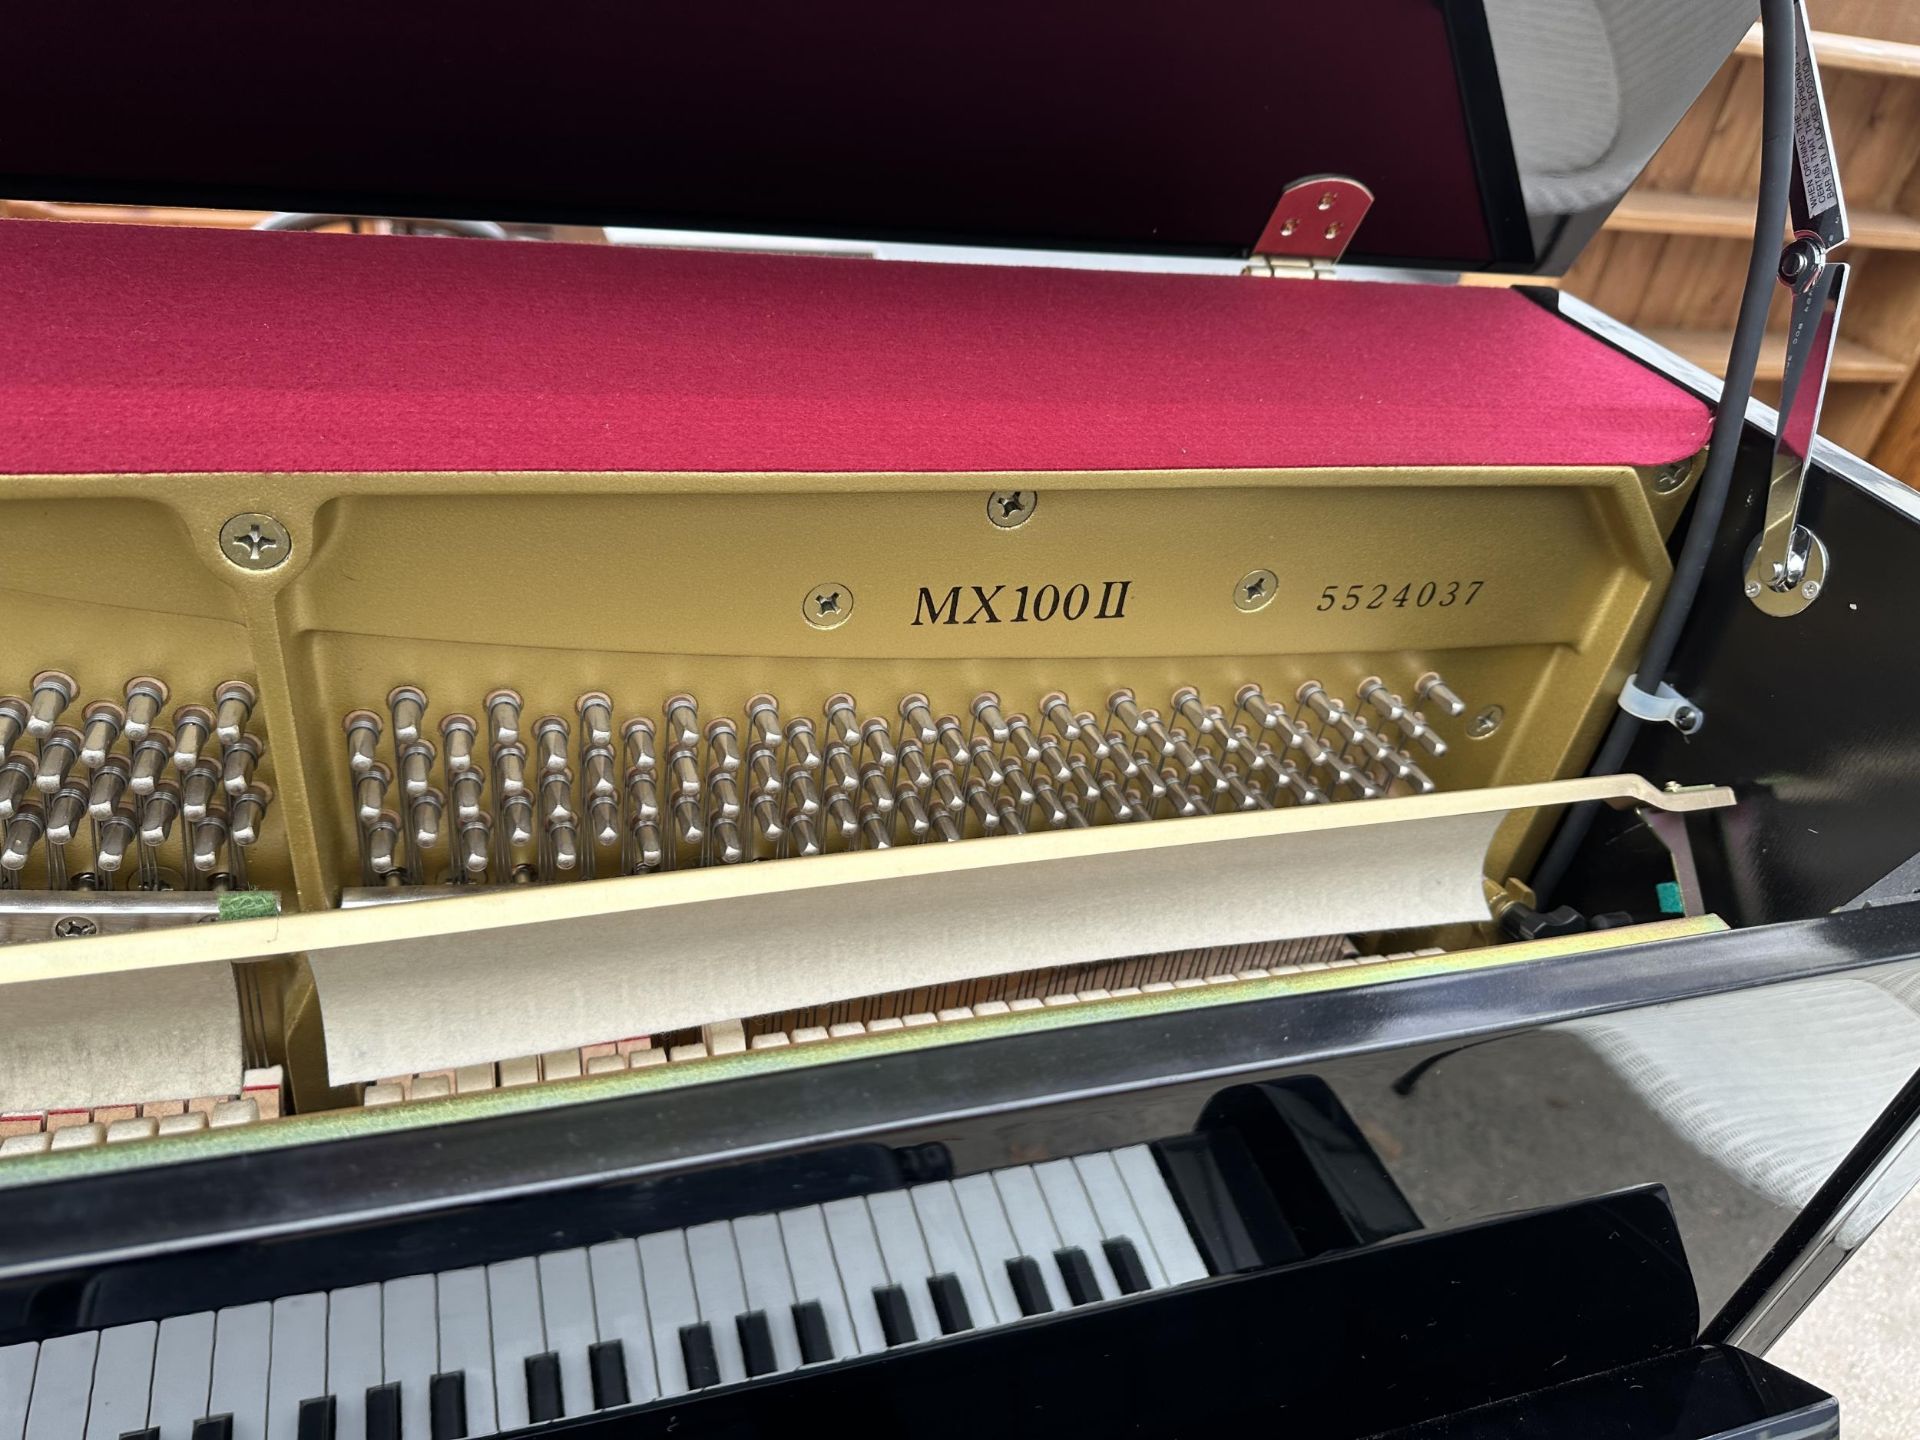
(408, 706)
(803, 794)
(65, 812)
(913, 811)
(1417, 780)
(1054, 759)
(981, 803)
(803, 837)
(1052, 809)
(476, 844)
(237, 764)
(150, 760)
(233, 704)
(1057, 712)
(603, 821)
(198, 786)
(116, 834)
(1181, 799)
(1173, 744)
(1186, 704)
(918, 718)
(1437, 693)
(803, 749)
(763, 723)
(841, 725)
(597, 780)
(1091, 735)
(53, 691)
(876, 831)
(146, 697)
(516, 814)
(192, 724)
(549, 745)
(765, 811)
(723, 745)
(913, 765)
(1422, 734)
(563, 844)
(468, 796)
(363, 734)
(370, 792)
(1245, 796)
(248, 815)
(875, 794)
(763, 771)
(986, 711)
(1121, 754)
(503, 716)
(836, 771)
(1020, 736)
(683, 773)
(724, 793)
(726, 847)
(104, 721)
(1314, 696)
(649, 849)
(458, 734)
(425, 812)
(109, 783)
(209, 839)
(946, 825)
(1017, 781)
(58, 751)
(23, 833)
(636, 738)
(643, 799)
(984, 761)
(688, 824)
(509, 769)
(383, 844)
(13, 721)
(416, 768)
(1117, 805)
(1373, 691)
(877, 740)
(947, 736)
(947, 794)
(1122, 706)
(157, 813)
(595, 710)
(1303, 790)
(683, 722)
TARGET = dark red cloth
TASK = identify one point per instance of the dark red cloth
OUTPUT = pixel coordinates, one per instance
(128, 348)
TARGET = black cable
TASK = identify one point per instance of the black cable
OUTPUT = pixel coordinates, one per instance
(1710, 501)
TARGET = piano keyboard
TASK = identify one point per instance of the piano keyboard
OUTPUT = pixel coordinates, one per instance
(473, 1352)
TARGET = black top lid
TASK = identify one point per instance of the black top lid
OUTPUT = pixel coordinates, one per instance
(1134, 125)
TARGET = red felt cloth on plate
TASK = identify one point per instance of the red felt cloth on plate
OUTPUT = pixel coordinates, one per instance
(128, 348)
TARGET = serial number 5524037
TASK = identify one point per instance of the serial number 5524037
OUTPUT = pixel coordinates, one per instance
(1380, 595)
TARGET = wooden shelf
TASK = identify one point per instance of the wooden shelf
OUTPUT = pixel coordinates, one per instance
(1852, 52)
(1654, 212)
(1852, 362)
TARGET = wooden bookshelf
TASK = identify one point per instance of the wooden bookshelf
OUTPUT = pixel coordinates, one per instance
(1672, 256)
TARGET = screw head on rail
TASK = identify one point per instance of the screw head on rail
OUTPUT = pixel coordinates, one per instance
(1010, 509)
(1255, 590)
(827, 606)
(254, 541)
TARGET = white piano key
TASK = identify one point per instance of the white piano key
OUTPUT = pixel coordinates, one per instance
(1033, 1227)
(297, 1366)
(993, 1241)
(763, 1267)
(242, 1344)
(620, 1312)
(856, 1254)
(513, 1311)
(61, 1383)
(1073, 1217)
(182, 1370)
(671, 1303)
(721, 1294)
(815, 1276)
(410, 1347)
(16, 1387)
(1166, 1226)
(566, 1304)
(466, 1341)
(949, 1247)
(353, 1357)
(1113, 1208)
(122, 1381)
(904, 1250)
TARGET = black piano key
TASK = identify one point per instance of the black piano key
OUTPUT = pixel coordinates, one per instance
(696, 1348)
(1029, 1288)
(756, 1342)
(607, 1364)
(810, 1322)
(319, 1417)
(383, 1411)
(896, 1320)
(446, 1405)
(152, 1432)
(950, 1304)
(213, 1427)
(543, 1388)
(1077, 1271)
(1128, 1272)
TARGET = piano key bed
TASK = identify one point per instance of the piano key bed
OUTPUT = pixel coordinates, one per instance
(486, 1349)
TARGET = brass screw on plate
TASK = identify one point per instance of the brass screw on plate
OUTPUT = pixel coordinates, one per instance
(1485, 723)
(827, 607)
(1255, 590)
(1010, 509)
(75, 927)
(255, 542)
(1670, 478)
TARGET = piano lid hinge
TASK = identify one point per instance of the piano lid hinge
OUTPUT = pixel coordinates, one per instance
(1310, 228)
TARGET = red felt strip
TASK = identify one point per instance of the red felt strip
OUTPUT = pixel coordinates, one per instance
(127, 348)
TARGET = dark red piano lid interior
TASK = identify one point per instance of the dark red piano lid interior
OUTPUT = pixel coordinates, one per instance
(1130, 125)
